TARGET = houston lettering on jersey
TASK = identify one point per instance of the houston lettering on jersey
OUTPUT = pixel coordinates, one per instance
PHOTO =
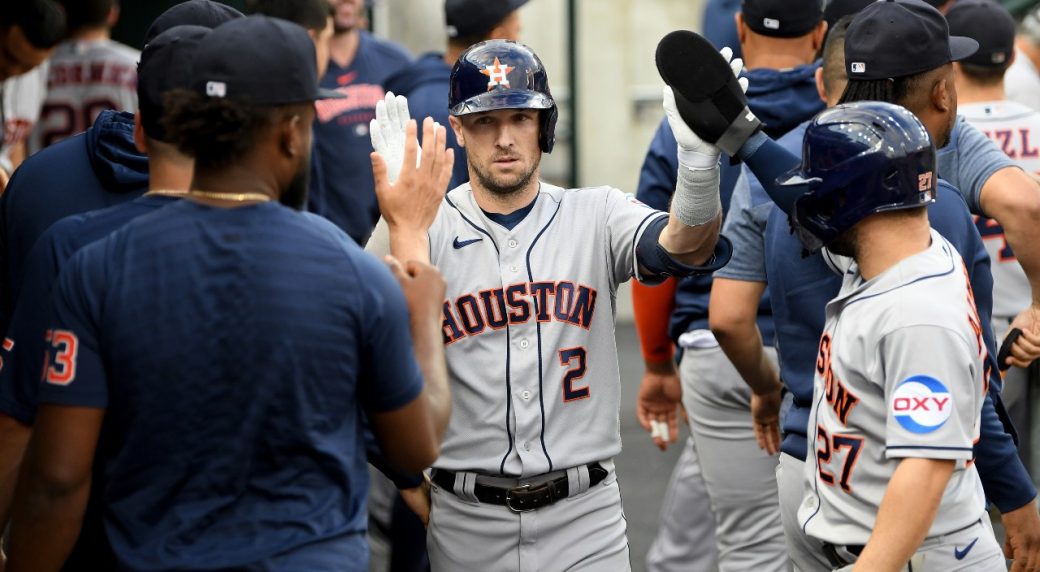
(474, 313)
(976, 328)
(838, 396)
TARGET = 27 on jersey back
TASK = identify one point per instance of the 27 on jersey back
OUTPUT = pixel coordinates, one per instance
(900, 373)
(529, 328)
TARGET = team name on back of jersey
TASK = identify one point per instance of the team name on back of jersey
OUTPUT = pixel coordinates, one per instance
(92, 73)
(838, 396)
(1015, 143)
(474, 313)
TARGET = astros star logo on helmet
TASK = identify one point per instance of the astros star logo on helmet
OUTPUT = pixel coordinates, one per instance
(497, 75)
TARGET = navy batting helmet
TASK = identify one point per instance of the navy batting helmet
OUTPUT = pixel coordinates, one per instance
(859, 159)
(501, 74)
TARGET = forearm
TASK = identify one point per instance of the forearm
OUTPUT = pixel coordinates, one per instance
(652, 308)
(429, 352)
(733, 318)
(14, 437)
(769, 161)
(1013, 199)
(696, 212)
(691, 245)
(907, 510)
(1004, 478)
(45, 525)
(407, 244)
(743, 346)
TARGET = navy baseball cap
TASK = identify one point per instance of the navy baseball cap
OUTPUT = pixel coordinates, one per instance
(782, 18)
(897, 38)
(259, 60)
(838, 9)
(989, 24)
(468, 18)
(205, 13)
(165, 66)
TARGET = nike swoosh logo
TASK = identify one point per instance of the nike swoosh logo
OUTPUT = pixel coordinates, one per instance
(960, 554)
(463, 243)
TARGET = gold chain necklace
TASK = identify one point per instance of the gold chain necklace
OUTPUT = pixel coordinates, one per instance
(234, 197)
(166, 193)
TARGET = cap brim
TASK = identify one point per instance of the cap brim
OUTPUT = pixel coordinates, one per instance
(330, 94)
(962, 47)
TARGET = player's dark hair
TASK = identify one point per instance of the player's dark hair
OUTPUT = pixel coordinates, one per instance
(87, 14)
(900, 90)
(42, 21)
(215, 132)
(833, 54)
(311, 14)
(984, 75)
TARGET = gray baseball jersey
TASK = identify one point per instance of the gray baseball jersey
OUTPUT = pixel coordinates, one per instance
(1015, 128)
(529, 328)
(86, 78)
(22, 98)
(900, 373)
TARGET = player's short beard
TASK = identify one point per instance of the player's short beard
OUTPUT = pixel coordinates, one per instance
(495, 187)
(294, 195)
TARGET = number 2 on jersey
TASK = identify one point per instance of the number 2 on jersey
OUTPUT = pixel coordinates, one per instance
(576, 372)
(832, 446)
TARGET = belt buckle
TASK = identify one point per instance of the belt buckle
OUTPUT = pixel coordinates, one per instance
(509, 498)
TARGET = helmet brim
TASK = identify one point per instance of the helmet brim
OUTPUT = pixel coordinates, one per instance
(503, 99)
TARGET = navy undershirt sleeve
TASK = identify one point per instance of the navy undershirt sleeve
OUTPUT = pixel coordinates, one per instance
(769, 161)
(1004, 478)
(656, 264)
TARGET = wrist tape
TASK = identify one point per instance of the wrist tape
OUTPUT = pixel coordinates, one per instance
(696, 200)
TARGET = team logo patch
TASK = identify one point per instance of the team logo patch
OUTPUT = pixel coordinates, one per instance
(771, 23)
(216, 89)
(498, 75)
(859, 67)
(921, 404)
(632, 199)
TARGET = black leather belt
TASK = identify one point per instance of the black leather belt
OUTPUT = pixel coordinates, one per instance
(521, 499)
(831, 552)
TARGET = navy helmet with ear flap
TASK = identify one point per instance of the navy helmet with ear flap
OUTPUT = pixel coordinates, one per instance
(502, 74)
(860, 159)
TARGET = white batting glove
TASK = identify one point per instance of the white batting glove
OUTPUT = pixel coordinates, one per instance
(694, 152)
(387, 132)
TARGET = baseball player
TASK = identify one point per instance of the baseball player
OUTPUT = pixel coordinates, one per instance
(901, 370)
(425, 82)
(207, 287)
(525, 480)
(29, 32)
(1015, 128)
(342, 189)
(800, 289)
(780, 40)
(89, 73)
(164, 66)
